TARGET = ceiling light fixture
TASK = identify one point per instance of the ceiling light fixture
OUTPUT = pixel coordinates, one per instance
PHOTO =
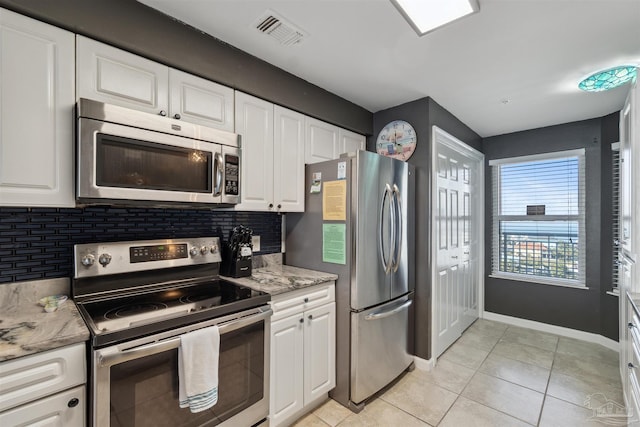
(427, 15)
(608, 79)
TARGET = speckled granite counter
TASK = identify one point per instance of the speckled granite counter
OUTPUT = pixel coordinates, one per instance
(277, 279)
(25, 328)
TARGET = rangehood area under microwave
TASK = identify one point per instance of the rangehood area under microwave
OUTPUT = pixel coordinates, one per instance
(128, 157)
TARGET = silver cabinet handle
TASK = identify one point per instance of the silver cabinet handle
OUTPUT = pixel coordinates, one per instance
(454, 256)
(310, 317)
(382, 314)
(631, 325)
(631, 365)
(162, 113)
(176, 116)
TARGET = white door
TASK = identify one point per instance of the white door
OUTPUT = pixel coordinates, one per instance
(115, 76)
(288, 160)
(287, 356)
(200, 101)
(321, 141)
(37, 82)
(457, 230)
(319, 351)
(254, 123)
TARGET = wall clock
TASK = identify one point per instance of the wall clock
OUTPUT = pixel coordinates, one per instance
(397, 139)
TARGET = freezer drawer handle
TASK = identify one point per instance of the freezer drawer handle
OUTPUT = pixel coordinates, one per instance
(383, 314)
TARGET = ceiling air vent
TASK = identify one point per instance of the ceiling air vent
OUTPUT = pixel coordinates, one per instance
(279, 29)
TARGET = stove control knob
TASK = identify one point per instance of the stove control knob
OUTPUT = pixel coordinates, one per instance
(204, 250)
(214, 249)
(88, 260)
(104, 259)
(193, 251)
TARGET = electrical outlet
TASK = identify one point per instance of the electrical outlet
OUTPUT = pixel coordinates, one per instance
(255, 241)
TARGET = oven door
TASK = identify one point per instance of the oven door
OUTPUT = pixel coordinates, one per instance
(123, 163)
(136, 383)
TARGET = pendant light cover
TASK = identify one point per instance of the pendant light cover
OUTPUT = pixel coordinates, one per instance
(608, 79)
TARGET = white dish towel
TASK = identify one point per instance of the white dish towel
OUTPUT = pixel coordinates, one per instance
(198, 369)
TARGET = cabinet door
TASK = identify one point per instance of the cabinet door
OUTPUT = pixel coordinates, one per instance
(200, 101)
(288, 160)
(36, 113)
(254, 123)
(350, 142)
(319, 351)
(286, 368)
(65, 409)
(117, 77)
(321, 141)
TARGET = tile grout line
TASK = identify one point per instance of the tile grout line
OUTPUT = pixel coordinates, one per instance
(544, 397)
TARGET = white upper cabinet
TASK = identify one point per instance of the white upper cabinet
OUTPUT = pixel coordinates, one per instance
(350, 142)
(272, 141)
(118, 77)
(200, 101)
(114, 76)
(288, 160)
(36, 113)
(322, 141)
(254, 123)
(328, 142)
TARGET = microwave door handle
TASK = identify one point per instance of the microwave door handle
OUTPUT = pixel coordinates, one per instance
(217, 174)
(118, 357)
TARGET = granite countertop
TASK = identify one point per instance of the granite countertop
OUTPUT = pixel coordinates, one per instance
(278, 279)
(25, 328)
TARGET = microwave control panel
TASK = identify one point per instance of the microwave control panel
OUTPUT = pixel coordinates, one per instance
(231, 174)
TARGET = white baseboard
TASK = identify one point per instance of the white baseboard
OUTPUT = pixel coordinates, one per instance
(553, 329)
(423, 364)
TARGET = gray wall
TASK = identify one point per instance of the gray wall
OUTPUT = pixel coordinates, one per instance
(137, 28)
(423, 114)
(589, 310)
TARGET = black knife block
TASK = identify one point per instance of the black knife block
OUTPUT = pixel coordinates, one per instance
(233, 263)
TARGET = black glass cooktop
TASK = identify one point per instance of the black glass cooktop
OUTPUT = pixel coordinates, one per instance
(143, 311)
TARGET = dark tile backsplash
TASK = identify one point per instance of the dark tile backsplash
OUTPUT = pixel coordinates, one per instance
(37, 243)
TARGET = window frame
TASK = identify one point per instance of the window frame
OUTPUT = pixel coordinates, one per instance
(580, 218)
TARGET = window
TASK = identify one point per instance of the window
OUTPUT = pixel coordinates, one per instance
(538, 218)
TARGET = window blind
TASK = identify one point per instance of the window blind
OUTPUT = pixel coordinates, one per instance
(538, 217)
(615, 211)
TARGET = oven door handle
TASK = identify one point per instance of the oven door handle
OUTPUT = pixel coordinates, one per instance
(118, 357)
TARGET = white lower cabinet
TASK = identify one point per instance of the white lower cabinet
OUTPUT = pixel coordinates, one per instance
(65, 409)
(44, 389)
(302, 352)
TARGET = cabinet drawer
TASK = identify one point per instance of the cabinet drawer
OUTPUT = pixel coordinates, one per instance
(32, 377)
(65, 409)
(285, 305)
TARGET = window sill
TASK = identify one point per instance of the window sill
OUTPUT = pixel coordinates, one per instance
(537, 281)
(615, 292)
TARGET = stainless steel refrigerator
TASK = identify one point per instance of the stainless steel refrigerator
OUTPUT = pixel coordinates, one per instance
(362, 230)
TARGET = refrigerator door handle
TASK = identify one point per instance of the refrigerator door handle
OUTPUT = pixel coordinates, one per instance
(386, 262)
(398, 240)
(383, 314)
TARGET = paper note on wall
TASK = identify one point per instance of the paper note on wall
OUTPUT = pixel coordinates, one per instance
(334, 243)
(334, 201)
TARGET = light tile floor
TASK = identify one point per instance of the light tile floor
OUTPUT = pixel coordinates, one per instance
(496, 375)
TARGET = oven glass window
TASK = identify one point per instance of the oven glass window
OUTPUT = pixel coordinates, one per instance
(144, 391)
(127, 163)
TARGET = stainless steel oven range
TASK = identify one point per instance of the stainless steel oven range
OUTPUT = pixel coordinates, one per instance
(138, 298)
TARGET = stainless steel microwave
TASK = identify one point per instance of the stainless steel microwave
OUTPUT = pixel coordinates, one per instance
(135, 158)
